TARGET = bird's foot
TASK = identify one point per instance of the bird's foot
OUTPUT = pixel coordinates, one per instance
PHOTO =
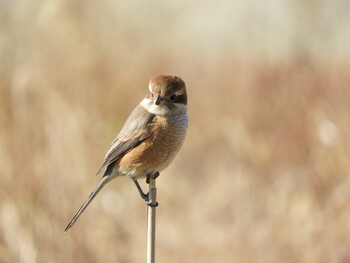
(152, 176)
(148, 202)
(144, 196)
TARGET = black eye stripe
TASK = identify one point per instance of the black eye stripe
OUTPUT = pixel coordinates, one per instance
(180, 99)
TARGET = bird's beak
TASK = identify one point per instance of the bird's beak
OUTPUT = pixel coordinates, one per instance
(158, 100)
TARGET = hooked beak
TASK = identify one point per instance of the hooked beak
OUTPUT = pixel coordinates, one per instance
(158, 100)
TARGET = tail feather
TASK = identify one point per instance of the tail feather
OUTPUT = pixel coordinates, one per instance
(105, 179)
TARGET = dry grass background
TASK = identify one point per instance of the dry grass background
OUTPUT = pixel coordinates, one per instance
(264, 173)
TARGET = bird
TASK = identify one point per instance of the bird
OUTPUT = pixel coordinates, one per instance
(149, 140)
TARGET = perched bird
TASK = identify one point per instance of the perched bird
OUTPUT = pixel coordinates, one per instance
(150, 138)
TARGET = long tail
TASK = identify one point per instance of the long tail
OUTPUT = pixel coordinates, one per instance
(105, 179)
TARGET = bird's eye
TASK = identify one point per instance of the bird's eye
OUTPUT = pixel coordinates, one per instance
(173, 97)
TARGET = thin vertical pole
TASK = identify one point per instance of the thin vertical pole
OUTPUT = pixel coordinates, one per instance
(151, 221)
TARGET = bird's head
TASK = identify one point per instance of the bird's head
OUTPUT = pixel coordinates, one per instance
(166, 95)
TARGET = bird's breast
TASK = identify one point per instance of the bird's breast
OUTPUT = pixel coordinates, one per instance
(159, 149)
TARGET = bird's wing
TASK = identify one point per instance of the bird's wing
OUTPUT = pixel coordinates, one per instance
(137, 128)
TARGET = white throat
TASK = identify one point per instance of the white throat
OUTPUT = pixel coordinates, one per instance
(149, 105)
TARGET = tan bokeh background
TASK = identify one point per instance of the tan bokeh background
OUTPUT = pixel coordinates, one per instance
(264, 173)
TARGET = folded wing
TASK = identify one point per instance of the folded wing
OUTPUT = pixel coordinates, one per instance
(137, 128)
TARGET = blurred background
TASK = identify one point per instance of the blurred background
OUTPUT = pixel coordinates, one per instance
(264, 173)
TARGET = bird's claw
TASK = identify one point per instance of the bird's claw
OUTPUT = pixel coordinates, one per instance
(148, 202)
(153, 176)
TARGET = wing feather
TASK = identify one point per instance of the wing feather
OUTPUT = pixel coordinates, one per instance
(137, 128)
